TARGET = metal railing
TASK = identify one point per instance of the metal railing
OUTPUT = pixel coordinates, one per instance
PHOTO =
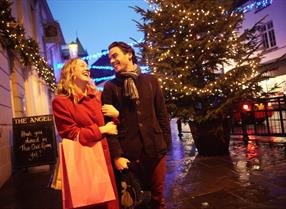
(265, 117)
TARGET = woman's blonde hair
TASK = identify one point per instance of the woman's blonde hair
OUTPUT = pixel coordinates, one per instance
(66, 85)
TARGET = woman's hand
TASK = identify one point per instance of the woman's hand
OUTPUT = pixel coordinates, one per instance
(109, 128)
(109, 110)
(121, 163)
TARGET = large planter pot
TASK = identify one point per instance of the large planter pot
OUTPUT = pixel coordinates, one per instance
(211, 137)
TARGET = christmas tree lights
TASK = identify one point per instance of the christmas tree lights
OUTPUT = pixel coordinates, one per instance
(189, 44)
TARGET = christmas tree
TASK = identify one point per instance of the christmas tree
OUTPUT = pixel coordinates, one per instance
(204, 63)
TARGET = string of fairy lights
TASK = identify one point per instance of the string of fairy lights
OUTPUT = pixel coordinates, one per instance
(144, 69)
(254, 6)
(172, 83)
(13, 38)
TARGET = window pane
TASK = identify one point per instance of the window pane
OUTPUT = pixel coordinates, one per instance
(268, 35)
(272, 38)
(269, 25)
(265, 41)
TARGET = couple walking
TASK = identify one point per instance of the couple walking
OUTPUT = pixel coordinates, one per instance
(136, 129)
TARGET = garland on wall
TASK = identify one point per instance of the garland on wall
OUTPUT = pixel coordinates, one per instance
(12, 37)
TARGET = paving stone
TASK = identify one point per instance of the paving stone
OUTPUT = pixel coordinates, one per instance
(251, 177)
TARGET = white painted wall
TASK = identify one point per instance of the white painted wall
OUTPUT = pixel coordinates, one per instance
(22, 92)
(276, 13)
(5, 118)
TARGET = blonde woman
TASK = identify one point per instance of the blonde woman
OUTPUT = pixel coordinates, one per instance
(77, 112)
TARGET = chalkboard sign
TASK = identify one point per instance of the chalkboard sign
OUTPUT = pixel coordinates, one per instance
(34, 141)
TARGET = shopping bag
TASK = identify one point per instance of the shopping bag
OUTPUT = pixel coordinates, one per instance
(57, 177)
(85, 177)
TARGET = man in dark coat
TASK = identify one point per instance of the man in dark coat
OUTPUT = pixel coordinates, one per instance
(144, 134)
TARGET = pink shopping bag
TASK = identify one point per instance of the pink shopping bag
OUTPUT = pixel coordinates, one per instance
(85, 177)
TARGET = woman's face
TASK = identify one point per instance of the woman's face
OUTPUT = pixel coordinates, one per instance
(82, 74)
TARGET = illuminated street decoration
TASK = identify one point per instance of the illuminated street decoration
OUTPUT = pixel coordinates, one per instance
(105, 52)
(257, 5)
(12, 35)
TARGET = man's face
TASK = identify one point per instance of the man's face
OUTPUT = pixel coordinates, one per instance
(120, 62)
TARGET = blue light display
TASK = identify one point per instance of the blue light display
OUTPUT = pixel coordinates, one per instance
(257, 5)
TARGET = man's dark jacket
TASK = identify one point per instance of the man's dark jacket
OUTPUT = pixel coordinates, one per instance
(144, 123)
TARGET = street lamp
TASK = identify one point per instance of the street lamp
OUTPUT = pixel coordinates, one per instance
(73, 50)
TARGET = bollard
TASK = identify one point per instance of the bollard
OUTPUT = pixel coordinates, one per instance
(179, 127)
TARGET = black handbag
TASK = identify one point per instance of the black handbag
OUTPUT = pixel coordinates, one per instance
(131, 192)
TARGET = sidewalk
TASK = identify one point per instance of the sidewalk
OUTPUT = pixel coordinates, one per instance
(252, 177)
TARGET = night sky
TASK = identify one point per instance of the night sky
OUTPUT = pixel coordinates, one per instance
(97, 23)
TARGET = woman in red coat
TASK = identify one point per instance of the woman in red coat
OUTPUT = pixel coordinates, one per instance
(78, 115)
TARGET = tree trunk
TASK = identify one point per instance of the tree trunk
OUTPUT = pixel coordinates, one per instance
(211, 137)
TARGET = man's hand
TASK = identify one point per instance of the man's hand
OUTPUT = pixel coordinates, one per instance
(110, 128)
(109, 110)
(121, 163)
